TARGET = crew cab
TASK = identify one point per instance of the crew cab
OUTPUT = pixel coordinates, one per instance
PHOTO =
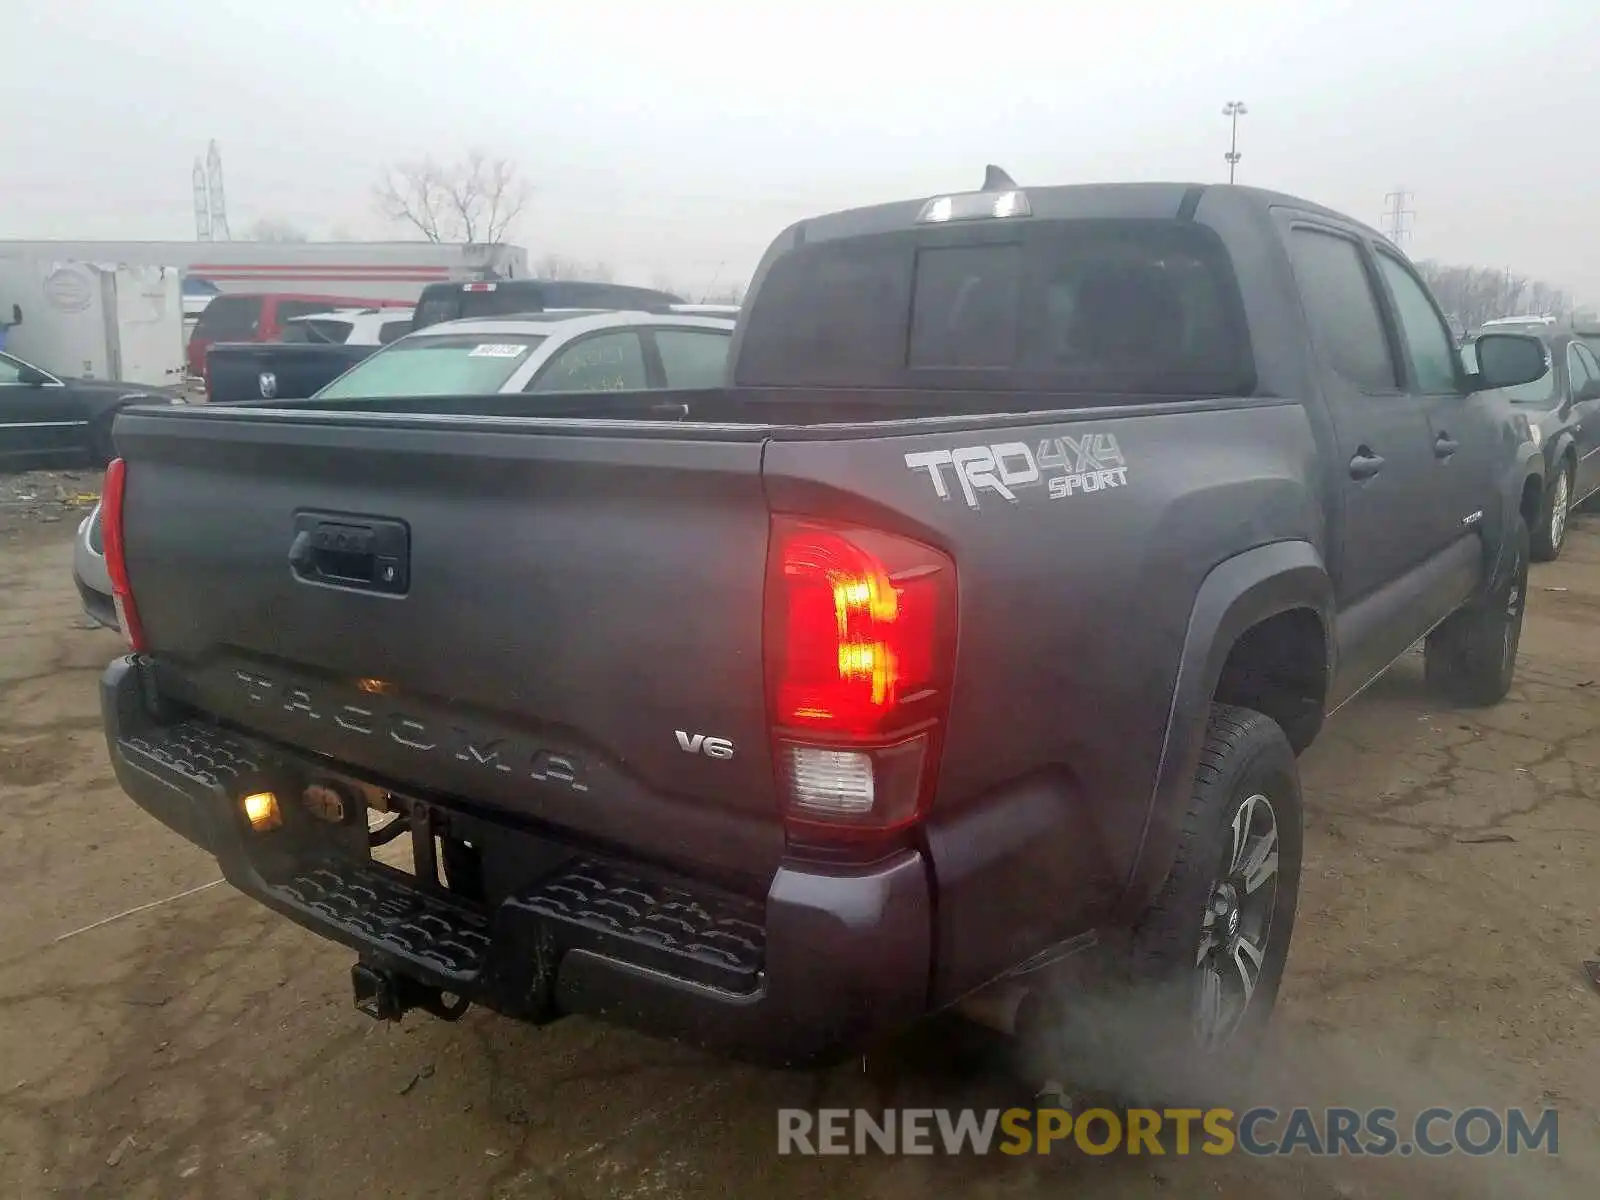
(969, 633)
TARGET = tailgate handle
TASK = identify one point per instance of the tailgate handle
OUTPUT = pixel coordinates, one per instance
(351, 552)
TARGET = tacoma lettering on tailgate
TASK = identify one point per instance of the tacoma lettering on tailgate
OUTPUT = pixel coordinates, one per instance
(491, 752)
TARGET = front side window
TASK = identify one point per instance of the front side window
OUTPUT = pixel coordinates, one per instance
(608, 362)
(1433, 354)
(694, 358)
(476, 364)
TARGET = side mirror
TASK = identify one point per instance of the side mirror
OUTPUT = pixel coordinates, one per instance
(31, 377)
(1509, 360)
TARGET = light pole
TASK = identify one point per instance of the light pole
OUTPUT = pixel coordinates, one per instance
(1233, 110)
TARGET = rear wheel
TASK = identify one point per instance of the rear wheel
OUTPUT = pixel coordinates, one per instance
(1551, 530)
(1217, 938)
(1183, 1013)
(1472, 658)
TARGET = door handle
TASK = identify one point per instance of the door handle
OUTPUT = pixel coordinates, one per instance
(1365, 464)
(1445, 445)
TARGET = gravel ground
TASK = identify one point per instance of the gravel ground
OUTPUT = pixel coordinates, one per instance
(46, 497)
(201, 1046)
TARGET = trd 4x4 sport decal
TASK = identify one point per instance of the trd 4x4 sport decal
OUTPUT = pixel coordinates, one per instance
(1065, 466)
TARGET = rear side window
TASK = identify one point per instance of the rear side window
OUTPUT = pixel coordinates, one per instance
(694, 358)
(1125, 307)
(229, 317)
(1342, 308)
(607, 362)
(451, 365)
(388, 331)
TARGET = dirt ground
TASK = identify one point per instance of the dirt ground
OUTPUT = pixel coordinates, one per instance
(196, 1045)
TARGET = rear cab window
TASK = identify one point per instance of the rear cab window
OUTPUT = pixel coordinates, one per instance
(464, 364)
(324, 331)
(229, 318)
(1113, 307)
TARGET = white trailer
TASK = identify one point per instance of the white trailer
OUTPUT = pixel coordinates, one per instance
(96, 319)
(357, 270)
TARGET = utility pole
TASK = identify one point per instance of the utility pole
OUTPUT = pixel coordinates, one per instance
(1233, 110)
(1396, 215)
(202, 203)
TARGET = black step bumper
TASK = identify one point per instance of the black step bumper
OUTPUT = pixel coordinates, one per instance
(830, 957)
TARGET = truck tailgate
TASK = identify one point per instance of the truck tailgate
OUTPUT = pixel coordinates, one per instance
(573, 607)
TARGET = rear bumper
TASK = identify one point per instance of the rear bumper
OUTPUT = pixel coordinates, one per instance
(828, 958)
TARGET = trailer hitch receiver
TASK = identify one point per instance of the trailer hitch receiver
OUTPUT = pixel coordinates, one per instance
(386, 995)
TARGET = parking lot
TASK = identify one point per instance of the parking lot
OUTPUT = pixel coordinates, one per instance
(200, 1046)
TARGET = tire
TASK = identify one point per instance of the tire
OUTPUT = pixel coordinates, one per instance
(1471, 659)
(1138, 1036)
(1550, 531)
(1247, 772)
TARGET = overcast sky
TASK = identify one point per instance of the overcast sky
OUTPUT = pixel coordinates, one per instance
(674, 137)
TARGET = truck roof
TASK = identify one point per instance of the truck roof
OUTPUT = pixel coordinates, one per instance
(1155, 200)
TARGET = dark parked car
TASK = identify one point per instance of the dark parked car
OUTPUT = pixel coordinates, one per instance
(969, 635)
(1563, 407)
(53, 420)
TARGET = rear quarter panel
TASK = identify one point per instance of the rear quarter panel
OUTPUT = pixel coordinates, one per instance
(1074, 608)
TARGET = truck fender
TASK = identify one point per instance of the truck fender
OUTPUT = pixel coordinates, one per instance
(1564, 443)
(1528, 464)
(1237, 594)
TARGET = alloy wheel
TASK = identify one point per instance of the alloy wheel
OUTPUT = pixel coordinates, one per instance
(1237, 924)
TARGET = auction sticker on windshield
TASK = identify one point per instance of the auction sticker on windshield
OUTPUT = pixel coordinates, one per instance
(497, 350)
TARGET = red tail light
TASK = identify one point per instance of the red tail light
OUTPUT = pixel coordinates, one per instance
(113, 498)
(860, 643)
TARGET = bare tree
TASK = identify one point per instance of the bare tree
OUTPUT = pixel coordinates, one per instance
(475, 201)
(728, 293)
(275, 229)
(559, 266)
(1472, 295)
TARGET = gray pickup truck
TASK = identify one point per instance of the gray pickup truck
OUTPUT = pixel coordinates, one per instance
(972, 630)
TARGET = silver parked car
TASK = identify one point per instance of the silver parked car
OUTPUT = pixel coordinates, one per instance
(89, 572)
(560, 351)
